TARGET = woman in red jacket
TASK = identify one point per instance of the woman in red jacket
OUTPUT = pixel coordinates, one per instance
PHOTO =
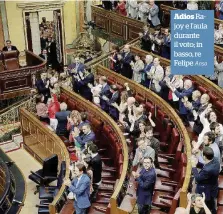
(121, 8)
(53, 108)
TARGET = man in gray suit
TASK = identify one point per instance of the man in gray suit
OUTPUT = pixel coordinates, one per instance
(153, 18)
(143, 151)
(219, 71)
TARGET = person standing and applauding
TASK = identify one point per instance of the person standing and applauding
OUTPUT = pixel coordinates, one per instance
(207, 178)
(146, 182)
(80, 187)
(198, 202)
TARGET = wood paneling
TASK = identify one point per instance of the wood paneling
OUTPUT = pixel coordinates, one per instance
(116, 25)
(23, 79)
(1, 33)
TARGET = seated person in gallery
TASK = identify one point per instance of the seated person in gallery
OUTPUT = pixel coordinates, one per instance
(10, 47)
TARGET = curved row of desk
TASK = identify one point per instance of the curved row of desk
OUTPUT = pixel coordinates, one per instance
(168, 123)
(41, 142)
(199, 82)
(12, 186)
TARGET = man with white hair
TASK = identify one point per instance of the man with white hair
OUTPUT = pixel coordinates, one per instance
(148, 64)
(156, 74)
(153, 17)
(127, 58)
(62, 120)
(186, 92)
(180, 210)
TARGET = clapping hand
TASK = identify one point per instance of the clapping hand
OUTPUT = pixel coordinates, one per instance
(140, 35)
(67, 182)
(104, 97)
(90, 85)
(194, 161)
(150, 115)
(189, 197)
(203, 198)
(126, 85)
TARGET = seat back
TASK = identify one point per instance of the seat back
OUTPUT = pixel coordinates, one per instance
(2, 67)
(61, 174)
(50, 166)
(175, 137)
(11, 60)
(175, 202)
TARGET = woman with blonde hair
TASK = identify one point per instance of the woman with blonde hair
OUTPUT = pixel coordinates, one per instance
(73, 121)
(122, 106)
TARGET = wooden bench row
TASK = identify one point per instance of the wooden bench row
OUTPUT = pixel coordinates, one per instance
(161, 111)
(109, 137)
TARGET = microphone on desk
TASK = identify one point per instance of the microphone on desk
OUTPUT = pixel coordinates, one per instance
(9, 163)
(20, 203)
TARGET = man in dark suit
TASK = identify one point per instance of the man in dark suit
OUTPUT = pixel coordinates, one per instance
(105, 93)
(87, 136)
(77, 66)
(166, 44)
(62, 120)
(83, 84)
(107, 4)
(146, 182)
(43, 54)
(207, 178)
(9, 46)
(52, 53)
(127, 58)
(186, 92)
(43, 85)
(113, 112)
(96, 166)
(204, 102)
(148, 65)
(146, 43)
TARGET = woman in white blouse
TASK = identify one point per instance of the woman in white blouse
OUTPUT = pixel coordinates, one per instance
(207, 117)
(137, 67)
(178, 83)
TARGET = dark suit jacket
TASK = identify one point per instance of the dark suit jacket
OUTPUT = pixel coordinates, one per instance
(113, 112)
(146, 43)
(14, 48)
(145, 80)
(184, 93)
(96, 165)
(42, 88)
(62, 122)
(80, 68)
(83, 88)
(127, 69)
(84, 139)
(198, 126)
(207, 179)
(146, 184)
(105, 91)
(195, 104)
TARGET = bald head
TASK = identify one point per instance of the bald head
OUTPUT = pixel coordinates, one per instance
(180, 210)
